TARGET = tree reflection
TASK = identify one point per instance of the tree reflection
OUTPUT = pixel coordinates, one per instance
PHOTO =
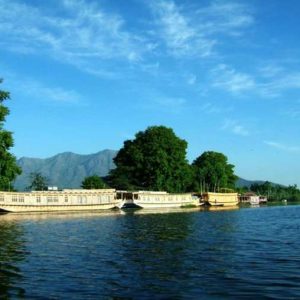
(12, 252)
(152, 252)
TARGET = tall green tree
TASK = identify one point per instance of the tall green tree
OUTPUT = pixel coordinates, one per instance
(93, 182)
(211, 172)
(154, 160)
(8, 166)
(38, 182)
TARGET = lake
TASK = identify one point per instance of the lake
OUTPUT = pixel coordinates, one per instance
(188, 254)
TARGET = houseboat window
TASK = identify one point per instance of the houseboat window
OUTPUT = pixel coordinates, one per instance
(66, 198)
(1, 198)
(38, 199)
(15, 198)
(49, 198)
(81, 199)
(21, 198)
(55, 199)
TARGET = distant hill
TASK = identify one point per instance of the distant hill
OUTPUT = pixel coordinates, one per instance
(65, 170)
(241, 182)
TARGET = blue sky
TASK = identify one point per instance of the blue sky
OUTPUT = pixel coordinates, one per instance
(86, 75)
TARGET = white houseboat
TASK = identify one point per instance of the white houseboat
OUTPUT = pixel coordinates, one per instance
(65, 200)
(263, 199)
(151, 199)
(252, 198)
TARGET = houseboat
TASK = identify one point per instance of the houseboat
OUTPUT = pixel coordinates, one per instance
(220, 199)
(252, 198)
(263, 199)
(152, 199)
(54, 200)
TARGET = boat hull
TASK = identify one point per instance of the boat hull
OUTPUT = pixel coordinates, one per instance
(161, 204)
(50, 208)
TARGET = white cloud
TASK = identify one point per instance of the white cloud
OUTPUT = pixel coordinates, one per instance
(235, 127)
(282, 147)
(41, 92)
(225, 17)
(231, 80)
(269, 82)
(270, 71)
(285, 80)
(52, 94)
(99, 42)
(86, 37)
(190, 33)
(179, 35)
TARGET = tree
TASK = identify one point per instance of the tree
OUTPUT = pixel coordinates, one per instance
(154, 160)
(38, 182)
(93, 182)
(276, 192)
(8, 166)
(211, 172)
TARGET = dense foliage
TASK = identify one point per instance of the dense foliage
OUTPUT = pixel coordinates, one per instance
(38, 182)
(93, 182)
(276, 192)
(212, 172)
(154, 160)
(8, 166)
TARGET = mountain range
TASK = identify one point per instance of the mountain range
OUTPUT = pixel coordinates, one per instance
(67, 170)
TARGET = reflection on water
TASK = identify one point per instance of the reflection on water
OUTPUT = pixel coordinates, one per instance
(12, 252)
(44, 216)
(178, 254)
(47, 216)
(152, 248)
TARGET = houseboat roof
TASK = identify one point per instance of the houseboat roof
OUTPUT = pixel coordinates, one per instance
(152, 192)
(64, 191)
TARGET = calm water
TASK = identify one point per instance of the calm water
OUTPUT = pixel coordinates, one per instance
(244, 253)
